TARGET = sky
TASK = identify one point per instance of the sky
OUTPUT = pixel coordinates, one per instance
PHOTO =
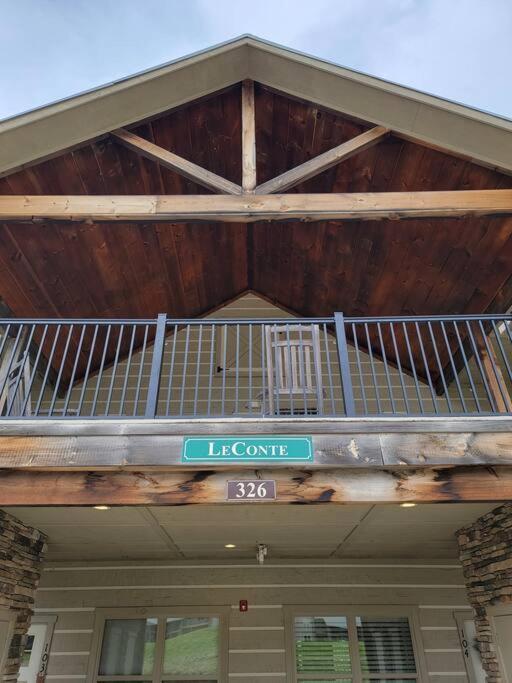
(457, 49)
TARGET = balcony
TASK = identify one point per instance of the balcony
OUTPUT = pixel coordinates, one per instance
(256, 368)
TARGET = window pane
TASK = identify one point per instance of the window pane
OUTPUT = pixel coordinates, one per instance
(191, 646)
(25, 657)
(321, 645)
(385, 645)
(128, 647)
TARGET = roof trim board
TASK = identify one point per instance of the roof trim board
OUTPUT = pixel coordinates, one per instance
(475, 135)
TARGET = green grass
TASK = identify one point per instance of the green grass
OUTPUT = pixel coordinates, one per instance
(192, 653)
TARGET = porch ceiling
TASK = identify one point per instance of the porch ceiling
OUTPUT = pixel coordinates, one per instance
(359, 267)
(201, 531)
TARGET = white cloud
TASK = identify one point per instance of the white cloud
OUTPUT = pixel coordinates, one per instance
(459, 49)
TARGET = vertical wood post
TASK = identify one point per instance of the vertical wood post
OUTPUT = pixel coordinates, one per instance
(494, 376)
(346, 379)
(156, 366)
(248, 137)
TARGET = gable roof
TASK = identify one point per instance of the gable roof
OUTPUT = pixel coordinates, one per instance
(44, 132)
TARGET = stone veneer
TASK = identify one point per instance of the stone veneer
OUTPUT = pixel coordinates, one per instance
(485, 549)
(21, 553)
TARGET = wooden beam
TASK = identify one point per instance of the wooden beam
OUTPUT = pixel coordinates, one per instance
(248, 137)
(250, 208)
(164, 451)
(186, 168)
(323, 161)
(371, 486)
(493, 375)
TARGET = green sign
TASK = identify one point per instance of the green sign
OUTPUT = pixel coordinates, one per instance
(244, 449)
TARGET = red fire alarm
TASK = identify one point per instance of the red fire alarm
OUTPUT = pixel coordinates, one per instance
(244, 606)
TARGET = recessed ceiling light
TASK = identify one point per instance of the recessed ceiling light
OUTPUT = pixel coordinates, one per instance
(407, 505)
(102, 507)
(230, 545)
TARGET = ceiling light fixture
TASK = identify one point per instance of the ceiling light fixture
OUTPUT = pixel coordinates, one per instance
(102, 507)
(230, 545)
(407, 505)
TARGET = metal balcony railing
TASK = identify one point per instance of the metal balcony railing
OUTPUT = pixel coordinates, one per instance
(333, 366)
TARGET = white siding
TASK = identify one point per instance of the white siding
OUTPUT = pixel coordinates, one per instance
(257, 639)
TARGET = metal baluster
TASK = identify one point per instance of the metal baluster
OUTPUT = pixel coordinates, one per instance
(399, 366)
(386, 369)
(496, 371)
(454, 369)
(249, 331)
(290, 374)
(359, 369)
(264, 362)
(184, 375)
(413, 367)
(100, 371)
(237, 366)
(87, 370)
(127, 372)
(34, 371)
(155, 376)
(439, 365)
(329, 369)
(343, 360)
(114, 370)
(502, 350)
(61, 369)
(224, 360)
(210, 377)
(14, 352)
(466, 365)
(142, 355)
(73, 372)
(171, 371)
(372, 367)
(490, 397)
(198, 366)
(302, 369)
(427, 369)
(5, 338)
(21, 365)
(47, 372)
(277, 372)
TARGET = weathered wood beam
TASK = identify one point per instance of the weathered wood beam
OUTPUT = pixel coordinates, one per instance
(249, 208)
(163, 451)
(435, 485)
(186, 168)
(322, 162)
(248, 137)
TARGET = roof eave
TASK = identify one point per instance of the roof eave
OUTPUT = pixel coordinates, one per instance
(472, 134)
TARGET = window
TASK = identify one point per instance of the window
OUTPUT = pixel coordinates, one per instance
(162, 647)
(353, 647)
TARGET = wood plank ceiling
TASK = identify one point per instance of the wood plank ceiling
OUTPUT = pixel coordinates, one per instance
(358, 267)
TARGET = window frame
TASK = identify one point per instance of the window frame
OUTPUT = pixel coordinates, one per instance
(161, 614)
(351, 612)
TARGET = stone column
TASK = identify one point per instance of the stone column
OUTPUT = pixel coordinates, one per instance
(21, 553)
(485, 549)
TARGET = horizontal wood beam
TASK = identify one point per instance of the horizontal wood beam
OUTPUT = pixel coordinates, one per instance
(324, 161)
(172, 161)
(163, 451)
(371, 486)
(250, 208)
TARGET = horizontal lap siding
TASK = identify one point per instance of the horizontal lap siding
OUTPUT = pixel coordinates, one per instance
(257, 639)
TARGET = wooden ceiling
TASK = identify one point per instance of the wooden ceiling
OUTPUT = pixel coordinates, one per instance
(361, 268)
